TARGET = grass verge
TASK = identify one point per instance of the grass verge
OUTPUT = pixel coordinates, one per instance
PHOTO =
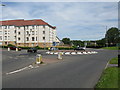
(109, 78)
(114, 61)
(110, 48)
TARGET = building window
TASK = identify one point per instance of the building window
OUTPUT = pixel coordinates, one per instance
(8, 37)
(43, 38)
(5, 37)
(33, 38)
(8, 32)
(36, 27)
(27, 32)
(27, 27)
(32, 44)
(18, 27)
(43, 32)
(14, 37)
(15, 31)
(32, 32)
(19, 38)
(27, 38)
(18, 33)
(43, 26)
(8, 27)
(6, 43)
(0, 37)
(36, 38)
(32, 27)
(5, 32)
(5, 27)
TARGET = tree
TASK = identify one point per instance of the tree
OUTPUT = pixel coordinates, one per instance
(66, 41)
(77, 43)
(101, 42)
(112, 36)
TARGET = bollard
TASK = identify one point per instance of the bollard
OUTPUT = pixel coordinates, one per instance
(38, 58)
(16, 49)
(60, 55)
(8, 49)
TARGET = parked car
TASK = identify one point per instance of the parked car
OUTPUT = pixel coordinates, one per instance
(53, 48)
(14, 48)
(32, 50)
(80, 48)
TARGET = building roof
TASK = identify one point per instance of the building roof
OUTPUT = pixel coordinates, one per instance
(22, 22)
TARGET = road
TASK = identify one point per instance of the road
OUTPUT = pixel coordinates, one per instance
(74, 71)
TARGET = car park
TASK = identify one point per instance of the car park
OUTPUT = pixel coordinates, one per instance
(32, 50)
(79, 48)
(14, 48)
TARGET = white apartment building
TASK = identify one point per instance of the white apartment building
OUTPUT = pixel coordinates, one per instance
(27, 33)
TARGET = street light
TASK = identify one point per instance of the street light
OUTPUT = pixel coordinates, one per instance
(106, 38)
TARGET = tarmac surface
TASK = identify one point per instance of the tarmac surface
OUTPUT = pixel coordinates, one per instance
(73, 71)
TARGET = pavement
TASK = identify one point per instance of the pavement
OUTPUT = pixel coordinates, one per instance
(73, 71)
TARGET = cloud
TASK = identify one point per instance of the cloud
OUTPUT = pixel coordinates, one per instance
(77, 20)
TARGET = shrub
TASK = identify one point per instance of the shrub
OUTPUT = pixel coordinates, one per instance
(4, 46)
(10, 45)
(24, 47)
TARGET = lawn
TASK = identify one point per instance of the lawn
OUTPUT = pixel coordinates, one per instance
(114, 61)
(110, 48)
(109, 78)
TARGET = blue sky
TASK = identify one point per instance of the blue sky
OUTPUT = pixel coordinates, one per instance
(75, 20)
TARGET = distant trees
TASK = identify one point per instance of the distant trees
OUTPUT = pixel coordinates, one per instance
(112, 36)
(66, 41)
(77, 42)
(101, 42)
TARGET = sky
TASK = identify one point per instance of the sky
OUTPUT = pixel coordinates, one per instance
(74, 20)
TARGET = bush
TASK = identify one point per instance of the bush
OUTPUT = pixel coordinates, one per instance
(24, 47)
(37, 47)
(4, 46)
(10, 45)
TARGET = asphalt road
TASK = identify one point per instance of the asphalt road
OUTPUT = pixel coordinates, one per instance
(75, 71)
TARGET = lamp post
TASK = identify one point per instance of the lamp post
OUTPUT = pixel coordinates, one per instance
(106, 37)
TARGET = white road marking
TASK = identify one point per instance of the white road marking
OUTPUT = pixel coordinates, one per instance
(51, 53)
(73, 53)
(48, 52)
(56, 53)
(67, 53)
(89, 53)
(85, 53)
(79, 53)
(17, 70)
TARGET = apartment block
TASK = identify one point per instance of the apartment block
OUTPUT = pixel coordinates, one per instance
(27, 33)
